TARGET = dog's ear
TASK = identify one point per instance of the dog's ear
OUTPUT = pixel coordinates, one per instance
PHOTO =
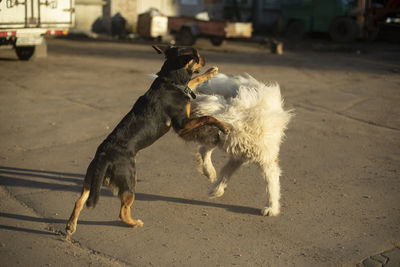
(189, 51)
(162, 49)
(158, 50)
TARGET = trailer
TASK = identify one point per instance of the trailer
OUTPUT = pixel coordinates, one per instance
(187, 29)
(25, 23)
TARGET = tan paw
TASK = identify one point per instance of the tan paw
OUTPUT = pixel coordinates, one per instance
(212, 71)
(225, 129)
(139, 223)
(134, 223)
(70, 228)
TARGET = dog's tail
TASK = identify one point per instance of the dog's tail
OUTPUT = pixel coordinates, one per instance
(95, 176)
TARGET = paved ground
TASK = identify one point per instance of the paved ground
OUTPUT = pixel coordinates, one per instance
(340, 161)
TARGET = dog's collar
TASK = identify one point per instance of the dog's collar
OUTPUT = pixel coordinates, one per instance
(188, 91)
(184, 88)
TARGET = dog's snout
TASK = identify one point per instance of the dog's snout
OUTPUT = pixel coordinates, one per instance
(202, 61)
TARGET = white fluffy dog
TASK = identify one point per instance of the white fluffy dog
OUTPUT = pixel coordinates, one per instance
(253, 111)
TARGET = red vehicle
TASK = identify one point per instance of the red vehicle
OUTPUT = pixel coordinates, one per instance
(188, 29)
(376, 14)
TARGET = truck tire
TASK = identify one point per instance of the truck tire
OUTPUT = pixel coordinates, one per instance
(295, 30)
(217, 40)
(24, 52)
(185, 37)
(344, 30)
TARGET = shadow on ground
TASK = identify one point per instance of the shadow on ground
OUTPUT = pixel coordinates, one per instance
(20, 177)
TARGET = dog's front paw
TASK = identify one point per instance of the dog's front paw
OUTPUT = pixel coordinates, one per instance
(221, 126)
(224, 129)
(268, 211)
(212, 71)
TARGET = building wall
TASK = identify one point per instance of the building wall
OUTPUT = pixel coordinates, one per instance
(128, 10)
(267, 12)
(167, 7)
(190, 7)
(87, 11)
(215, 8)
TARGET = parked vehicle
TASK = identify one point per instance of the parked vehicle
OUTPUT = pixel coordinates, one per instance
(382, 14)
(188, 29)
(24, 23)
(332, 16)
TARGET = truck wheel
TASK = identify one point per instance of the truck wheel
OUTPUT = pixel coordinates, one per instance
(185, 37)
(344, 30)
(24, 52)
(216, 40)
(295, 30)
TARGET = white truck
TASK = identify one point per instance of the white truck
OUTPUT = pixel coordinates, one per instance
(25, 23)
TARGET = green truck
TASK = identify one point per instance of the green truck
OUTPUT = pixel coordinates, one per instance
(337, 17)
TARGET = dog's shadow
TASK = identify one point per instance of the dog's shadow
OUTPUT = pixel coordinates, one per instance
(232, 208)
(61, 181)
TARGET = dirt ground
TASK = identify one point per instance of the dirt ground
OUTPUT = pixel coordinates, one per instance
(340, 161)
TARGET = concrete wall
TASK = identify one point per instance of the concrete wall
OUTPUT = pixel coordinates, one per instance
(128, 10)
(167, 7)
(190, 7)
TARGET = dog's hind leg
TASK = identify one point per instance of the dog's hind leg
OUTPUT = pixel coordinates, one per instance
(271, 176)
(128, 179)
(226, 172)
(127, 199)
(73, 219)
(205, 165)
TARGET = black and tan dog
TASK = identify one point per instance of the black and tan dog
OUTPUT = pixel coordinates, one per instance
(166, 104)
